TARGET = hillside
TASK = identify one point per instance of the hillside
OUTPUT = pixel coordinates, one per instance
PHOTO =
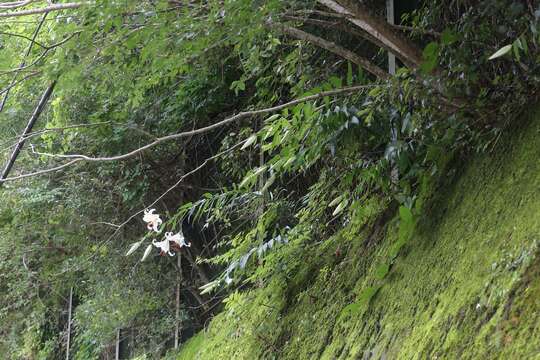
(465, 286)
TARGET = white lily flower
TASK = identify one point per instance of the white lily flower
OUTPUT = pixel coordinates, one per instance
(153, 221)
(178, 239)
(164, 246)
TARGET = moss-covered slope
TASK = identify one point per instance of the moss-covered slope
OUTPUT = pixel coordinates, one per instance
(466, 285)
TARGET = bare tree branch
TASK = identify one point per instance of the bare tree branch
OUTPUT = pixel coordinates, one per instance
(47, 9)
(48, 130)
(40, 172)
(334, 48)
(337, 25)
(359, 15)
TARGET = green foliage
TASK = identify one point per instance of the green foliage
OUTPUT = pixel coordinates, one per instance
(304, 225)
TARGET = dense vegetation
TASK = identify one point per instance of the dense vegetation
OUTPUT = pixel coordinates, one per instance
(291, 173)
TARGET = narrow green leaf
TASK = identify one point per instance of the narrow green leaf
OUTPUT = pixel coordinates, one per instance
(250, 140)
(349, 74)
(342, 205)
(335, 201)
(501, 52)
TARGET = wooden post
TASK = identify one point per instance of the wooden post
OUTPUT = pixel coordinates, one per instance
(69, 323)
(390, 19)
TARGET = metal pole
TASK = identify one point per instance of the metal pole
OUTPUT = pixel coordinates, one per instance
(390, 19)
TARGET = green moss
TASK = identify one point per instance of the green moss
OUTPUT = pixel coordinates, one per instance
(466, 284)
(191, 348)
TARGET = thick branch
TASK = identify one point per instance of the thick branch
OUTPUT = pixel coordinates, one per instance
(334, 48)
(345, 16)
(47, 9)
(360, 16)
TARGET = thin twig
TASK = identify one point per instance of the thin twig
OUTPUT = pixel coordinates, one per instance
(57, 129)
(40, 172)
(23, 37)
(15, 4)
(15, 83)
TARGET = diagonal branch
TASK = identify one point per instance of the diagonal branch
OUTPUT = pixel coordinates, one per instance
(359, 15)
(35, 115)
(16, 82)
(334, 48)
(217, 125)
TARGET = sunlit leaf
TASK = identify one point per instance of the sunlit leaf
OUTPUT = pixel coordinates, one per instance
(501, 52)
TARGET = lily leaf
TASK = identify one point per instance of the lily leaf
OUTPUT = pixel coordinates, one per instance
(134, 247)
(146, 252)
